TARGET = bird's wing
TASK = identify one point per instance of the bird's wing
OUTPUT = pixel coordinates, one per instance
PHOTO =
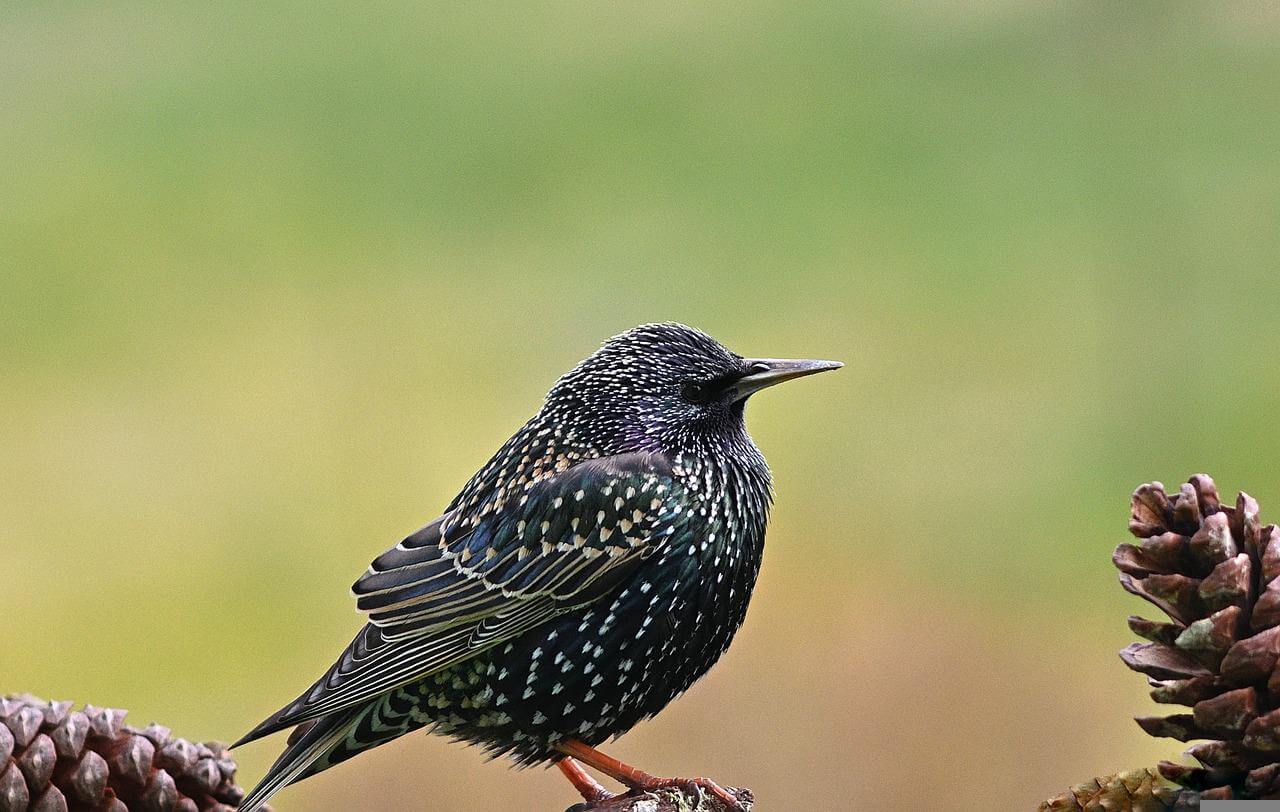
(559, 539)
(511, 561)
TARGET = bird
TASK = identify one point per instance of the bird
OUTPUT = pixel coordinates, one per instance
(589, 573)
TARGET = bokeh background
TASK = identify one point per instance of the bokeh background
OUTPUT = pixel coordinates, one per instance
(275, 279)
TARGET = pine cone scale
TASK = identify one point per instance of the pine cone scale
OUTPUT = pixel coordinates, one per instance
(1166, 633)
(83, 781)
(1180, 726)
(1266, 612)
(1253, 658)
(51, 800)
(37, 761)
(70, 734)
(1158, 554)
(14, 796)
(1163, 662)
(1263, 733)
(1230, 584)
(24, 725)
(1175, 595)
(1185, 691)
(1227, 715)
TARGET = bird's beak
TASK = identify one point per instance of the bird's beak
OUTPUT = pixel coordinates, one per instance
(768, 371)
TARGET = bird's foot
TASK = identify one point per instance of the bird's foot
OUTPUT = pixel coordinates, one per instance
(671, 795)
(693, 786)
(638, 781)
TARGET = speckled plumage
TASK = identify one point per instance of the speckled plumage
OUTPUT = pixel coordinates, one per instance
(594, 568)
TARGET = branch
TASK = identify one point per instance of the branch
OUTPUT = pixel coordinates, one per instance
(666, 800)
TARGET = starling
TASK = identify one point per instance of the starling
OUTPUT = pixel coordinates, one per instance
(596, 566)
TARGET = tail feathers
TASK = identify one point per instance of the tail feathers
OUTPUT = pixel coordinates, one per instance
(268, 726)
(307, 744)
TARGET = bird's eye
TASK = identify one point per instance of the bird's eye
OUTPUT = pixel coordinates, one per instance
(695, 391)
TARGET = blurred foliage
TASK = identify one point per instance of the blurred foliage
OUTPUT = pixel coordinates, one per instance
(274, 279)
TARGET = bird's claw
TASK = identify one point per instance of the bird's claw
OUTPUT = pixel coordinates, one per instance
(697, 786)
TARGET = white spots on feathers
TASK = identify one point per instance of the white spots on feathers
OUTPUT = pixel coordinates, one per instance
(691, 541)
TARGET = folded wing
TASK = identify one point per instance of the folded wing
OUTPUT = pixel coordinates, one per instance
(473, 579)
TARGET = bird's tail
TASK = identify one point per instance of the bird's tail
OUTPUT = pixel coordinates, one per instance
(308, 744)
(319, 744)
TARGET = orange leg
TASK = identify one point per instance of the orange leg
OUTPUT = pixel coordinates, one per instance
(639, 779)
(587, 787)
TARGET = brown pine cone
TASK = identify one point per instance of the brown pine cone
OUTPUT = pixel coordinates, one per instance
(1215, 571)
(1134, 791)
(55, 758)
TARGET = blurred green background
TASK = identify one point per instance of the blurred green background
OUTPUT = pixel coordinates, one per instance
(275, 279)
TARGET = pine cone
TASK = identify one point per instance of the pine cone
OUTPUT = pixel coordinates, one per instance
(1215, 571)
(1134, 791)
(54, 758)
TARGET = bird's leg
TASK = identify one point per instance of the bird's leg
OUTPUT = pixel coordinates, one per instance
(639, 779)
(587, 787)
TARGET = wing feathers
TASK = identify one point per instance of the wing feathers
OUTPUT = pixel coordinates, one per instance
(465, 583)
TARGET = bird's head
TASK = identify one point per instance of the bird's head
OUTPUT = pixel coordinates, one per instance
(659, 386)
